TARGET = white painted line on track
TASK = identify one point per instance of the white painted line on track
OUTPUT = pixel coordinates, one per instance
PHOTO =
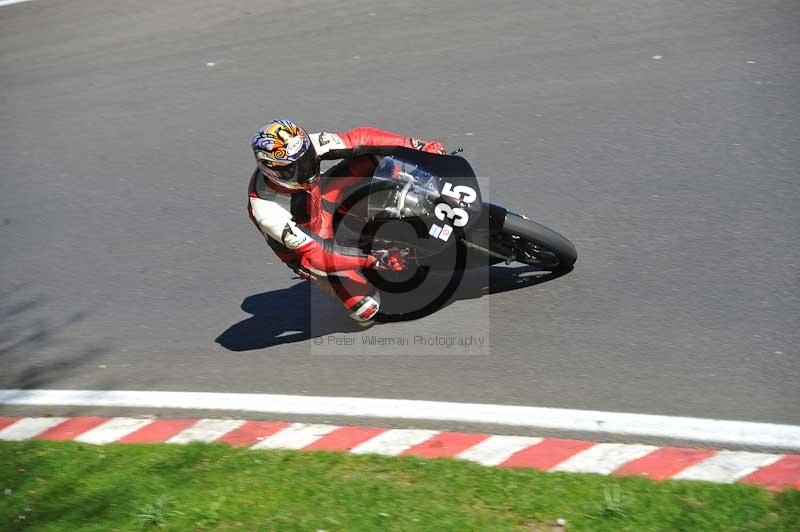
(727, 466)
(112, 430)
(9, 2)
(393, 442)
(206, 430)
(295, 436)
(495, 450)
(29, 427)
(681, 428)
(604, 458)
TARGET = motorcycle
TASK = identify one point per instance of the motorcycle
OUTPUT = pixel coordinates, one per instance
(430, 207)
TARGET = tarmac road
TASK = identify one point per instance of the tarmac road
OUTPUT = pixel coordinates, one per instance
(660, 136)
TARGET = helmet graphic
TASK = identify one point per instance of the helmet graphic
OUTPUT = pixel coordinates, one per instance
(285, 155)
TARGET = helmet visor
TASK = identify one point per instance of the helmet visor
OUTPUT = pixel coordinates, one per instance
(299, 174)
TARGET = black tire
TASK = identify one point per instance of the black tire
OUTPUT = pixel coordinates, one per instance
(542, 238)
(396, 283)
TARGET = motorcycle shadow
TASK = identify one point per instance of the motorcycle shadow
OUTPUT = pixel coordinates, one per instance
(476, 283)
(301, 311)
(294, 314)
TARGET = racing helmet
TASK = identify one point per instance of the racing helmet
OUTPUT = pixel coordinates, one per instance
(286, 156)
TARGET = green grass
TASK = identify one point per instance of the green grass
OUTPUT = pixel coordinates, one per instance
(70, 486)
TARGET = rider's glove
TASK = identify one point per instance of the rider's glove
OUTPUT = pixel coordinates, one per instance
(392, 259)
(430, 146)
(434, 146)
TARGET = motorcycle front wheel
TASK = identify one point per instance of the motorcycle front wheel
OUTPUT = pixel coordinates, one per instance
(536, 244)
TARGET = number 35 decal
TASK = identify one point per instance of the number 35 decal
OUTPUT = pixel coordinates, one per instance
(461, 193)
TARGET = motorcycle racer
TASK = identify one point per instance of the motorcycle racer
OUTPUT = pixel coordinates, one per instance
(288, 162)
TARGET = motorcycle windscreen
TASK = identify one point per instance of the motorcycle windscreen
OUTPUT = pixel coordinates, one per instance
(401, 189)
(426, 204)
(405, 189)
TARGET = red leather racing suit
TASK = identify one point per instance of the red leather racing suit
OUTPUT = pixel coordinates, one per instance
(302, 235)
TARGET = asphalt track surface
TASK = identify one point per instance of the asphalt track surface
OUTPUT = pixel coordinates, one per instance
(660, 136)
